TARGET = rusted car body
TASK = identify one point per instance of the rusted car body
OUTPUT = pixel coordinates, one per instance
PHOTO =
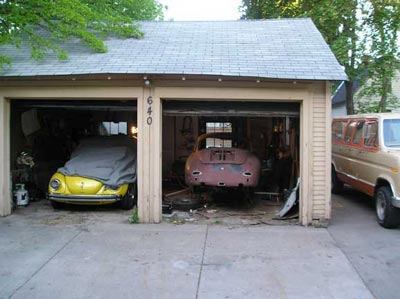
(218, 160)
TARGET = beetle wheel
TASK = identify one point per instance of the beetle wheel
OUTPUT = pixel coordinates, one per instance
(129, 198)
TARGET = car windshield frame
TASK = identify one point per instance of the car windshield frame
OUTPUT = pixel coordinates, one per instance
(221, 141)
(391, 132)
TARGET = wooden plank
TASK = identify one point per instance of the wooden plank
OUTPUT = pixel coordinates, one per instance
(273, 93)
(156, 161)
(143, 160)
(305, 158)
(5, 194)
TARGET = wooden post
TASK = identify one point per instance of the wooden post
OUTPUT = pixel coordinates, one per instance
(5, 192)
(305, 169)
(149, 157)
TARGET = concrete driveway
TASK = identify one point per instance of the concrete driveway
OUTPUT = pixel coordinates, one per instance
(372, 250)
(98, 254)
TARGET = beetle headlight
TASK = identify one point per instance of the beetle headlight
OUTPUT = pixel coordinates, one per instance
(55, 184)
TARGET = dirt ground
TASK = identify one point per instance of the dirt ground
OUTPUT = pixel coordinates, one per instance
(226, 209)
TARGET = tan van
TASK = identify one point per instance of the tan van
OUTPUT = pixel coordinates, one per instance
(366, 155)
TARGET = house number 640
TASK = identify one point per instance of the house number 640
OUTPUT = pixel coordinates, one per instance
(149, 110)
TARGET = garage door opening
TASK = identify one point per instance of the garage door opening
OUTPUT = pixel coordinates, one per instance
(212, 151)
(45, 134)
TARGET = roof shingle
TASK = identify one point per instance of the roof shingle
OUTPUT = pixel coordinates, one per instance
(280, 49)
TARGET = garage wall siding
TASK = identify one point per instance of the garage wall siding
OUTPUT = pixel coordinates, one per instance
(320, 153)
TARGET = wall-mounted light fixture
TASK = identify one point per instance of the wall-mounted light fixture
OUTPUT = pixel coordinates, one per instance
(134, 131)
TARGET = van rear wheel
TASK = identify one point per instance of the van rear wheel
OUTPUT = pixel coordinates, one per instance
(336, 183)
(387, 215)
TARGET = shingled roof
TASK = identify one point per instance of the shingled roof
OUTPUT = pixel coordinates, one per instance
(279, 49)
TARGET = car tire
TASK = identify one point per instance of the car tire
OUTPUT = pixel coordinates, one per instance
(129, 199)
(387, 215)
(186, 204)
(56, 205)
(336, 183)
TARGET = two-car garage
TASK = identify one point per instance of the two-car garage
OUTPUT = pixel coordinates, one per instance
(167, 104)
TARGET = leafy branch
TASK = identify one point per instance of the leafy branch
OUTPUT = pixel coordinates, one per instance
(47, 24)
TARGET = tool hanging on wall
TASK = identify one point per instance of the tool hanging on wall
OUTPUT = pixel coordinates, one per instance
(187, 132)
(278, 138)
(295, 155)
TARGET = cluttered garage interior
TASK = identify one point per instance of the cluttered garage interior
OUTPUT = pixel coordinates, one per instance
(222, 162)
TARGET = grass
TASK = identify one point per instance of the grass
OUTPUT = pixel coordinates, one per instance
(134, 218)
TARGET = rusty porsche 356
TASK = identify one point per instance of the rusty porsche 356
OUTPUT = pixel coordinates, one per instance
(222, 160)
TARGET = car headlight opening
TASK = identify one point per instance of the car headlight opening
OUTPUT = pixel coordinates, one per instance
(55, 184)
(114, 188)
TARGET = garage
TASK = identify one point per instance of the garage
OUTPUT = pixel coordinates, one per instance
(46, 133)
(262, 128)
(253, 78)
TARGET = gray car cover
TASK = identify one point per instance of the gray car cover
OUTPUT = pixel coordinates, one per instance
(110, 160)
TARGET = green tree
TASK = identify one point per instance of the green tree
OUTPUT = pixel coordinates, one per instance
(382, 18)
(46, 24)
(345, 24)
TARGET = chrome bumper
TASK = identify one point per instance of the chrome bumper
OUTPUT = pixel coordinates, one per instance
(84, 198)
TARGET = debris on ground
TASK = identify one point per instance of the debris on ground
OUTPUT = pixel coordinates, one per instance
(228, 210)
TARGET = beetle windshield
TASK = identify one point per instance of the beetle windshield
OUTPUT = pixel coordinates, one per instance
(391, 132)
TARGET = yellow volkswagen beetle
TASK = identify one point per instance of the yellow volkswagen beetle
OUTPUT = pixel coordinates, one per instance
(102, 170)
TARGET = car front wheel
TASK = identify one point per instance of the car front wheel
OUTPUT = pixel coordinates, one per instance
(387, 215)
(129, 199)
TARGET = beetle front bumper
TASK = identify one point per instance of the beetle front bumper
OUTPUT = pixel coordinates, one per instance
(84, 198)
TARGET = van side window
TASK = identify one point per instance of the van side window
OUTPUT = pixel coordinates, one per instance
(391, 132)
(349, 131)
(337, 130)
(371, 134)
(359, 132)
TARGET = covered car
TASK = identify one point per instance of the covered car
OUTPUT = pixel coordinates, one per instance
(222, 160)
(101, 170)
